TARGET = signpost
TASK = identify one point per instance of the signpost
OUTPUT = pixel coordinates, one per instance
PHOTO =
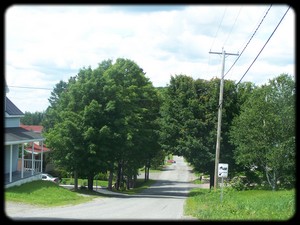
(222, 172)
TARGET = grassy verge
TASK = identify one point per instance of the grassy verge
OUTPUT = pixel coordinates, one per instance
(44, 193)
(204, 204)
(48, 194)
(83, 182)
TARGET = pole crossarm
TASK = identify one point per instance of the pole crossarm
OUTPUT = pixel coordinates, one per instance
(220, 53)
(223, 53)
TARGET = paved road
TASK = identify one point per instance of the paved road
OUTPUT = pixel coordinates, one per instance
(162, 201)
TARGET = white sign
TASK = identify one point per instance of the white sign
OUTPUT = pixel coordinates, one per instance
(223, 170)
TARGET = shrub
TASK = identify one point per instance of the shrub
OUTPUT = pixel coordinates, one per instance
(101, 176)
(239, 183)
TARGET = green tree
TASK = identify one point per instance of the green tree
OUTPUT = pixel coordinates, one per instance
(264, 132)
(35, 118)
(66, 143)
(116, 107)
(78, 98)
(131, 109)
(51, 117)
(189, 121)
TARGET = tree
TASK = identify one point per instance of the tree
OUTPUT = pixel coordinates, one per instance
(189, 121)
(65, 141)
(131, 109)
(264, 132)
(79, 99)
(35, 118)
(57, 91)
(114, 126)
(51, 117)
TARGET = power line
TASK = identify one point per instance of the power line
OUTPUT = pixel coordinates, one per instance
(31, 87)
(218, 28)
(249, 40)
(232, 26)
(221, 21)
(264, 45)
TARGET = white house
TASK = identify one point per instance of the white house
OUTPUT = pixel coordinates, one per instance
(15, 139)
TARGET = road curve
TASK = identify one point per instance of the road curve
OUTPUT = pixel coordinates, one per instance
(164, 200)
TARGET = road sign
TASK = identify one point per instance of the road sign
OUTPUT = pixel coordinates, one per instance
(223, 170)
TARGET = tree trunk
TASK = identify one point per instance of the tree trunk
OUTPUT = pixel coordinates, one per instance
(145, 173)
(75, 180)
(90, 181)
(110, 180)
(273, 180)
(148, 171)
(211, 180)
(119, 171)
(128, 182)
(134, 180)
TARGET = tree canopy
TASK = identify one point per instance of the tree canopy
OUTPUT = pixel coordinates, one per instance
(264, 132)
(112, 119)
(106, 119)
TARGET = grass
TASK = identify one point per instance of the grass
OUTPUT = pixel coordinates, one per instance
(263, 205)
(83, 182)
(49, 194)
(44, 193)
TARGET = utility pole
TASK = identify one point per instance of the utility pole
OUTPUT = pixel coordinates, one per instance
(219, 115)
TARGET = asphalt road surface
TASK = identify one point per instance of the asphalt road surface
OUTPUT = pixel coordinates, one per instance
(162, 201)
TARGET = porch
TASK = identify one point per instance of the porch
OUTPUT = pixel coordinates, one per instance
(17, 179)
(31, 169)
(19, 169)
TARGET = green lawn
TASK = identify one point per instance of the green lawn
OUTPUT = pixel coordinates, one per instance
(204, 204)
(44, 193)
(84, 182)
(47, 193)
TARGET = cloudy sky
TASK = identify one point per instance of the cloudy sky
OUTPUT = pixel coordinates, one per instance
(48, 43)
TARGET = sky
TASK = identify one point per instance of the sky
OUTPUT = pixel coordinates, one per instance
(45, 44)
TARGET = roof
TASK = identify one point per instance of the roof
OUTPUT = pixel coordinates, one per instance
(18, 135)
(11, 108)
(37, 149)
(34, 128)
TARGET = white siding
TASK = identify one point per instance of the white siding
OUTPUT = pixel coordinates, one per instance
(12, 121)
(15, 156)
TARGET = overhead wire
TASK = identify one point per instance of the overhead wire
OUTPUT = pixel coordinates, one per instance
(249, 40)
(232, 26)
(221, 21)
(219, 27)
(263, 46)
(31, 87)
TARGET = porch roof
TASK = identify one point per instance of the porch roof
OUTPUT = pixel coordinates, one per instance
(18, 135)
(37, 149)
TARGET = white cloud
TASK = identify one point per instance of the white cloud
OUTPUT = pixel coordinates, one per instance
(46, 44)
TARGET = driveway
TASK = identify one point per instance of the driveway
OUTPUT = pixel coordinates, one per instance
(164, 200)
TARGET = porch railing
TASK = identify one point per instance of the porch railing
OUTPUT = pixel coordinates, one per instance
(36, 165)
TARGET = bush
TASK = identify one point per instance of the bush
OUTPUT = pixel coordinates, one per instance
(239, 183)
(101, 176)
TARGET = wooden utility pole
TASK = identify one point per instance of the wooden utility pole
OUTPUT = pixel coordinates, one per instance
(219, 115)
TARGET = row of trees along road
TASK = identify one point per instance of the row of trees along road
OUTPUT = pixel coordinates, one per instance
(112, 119)
(104, 120)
